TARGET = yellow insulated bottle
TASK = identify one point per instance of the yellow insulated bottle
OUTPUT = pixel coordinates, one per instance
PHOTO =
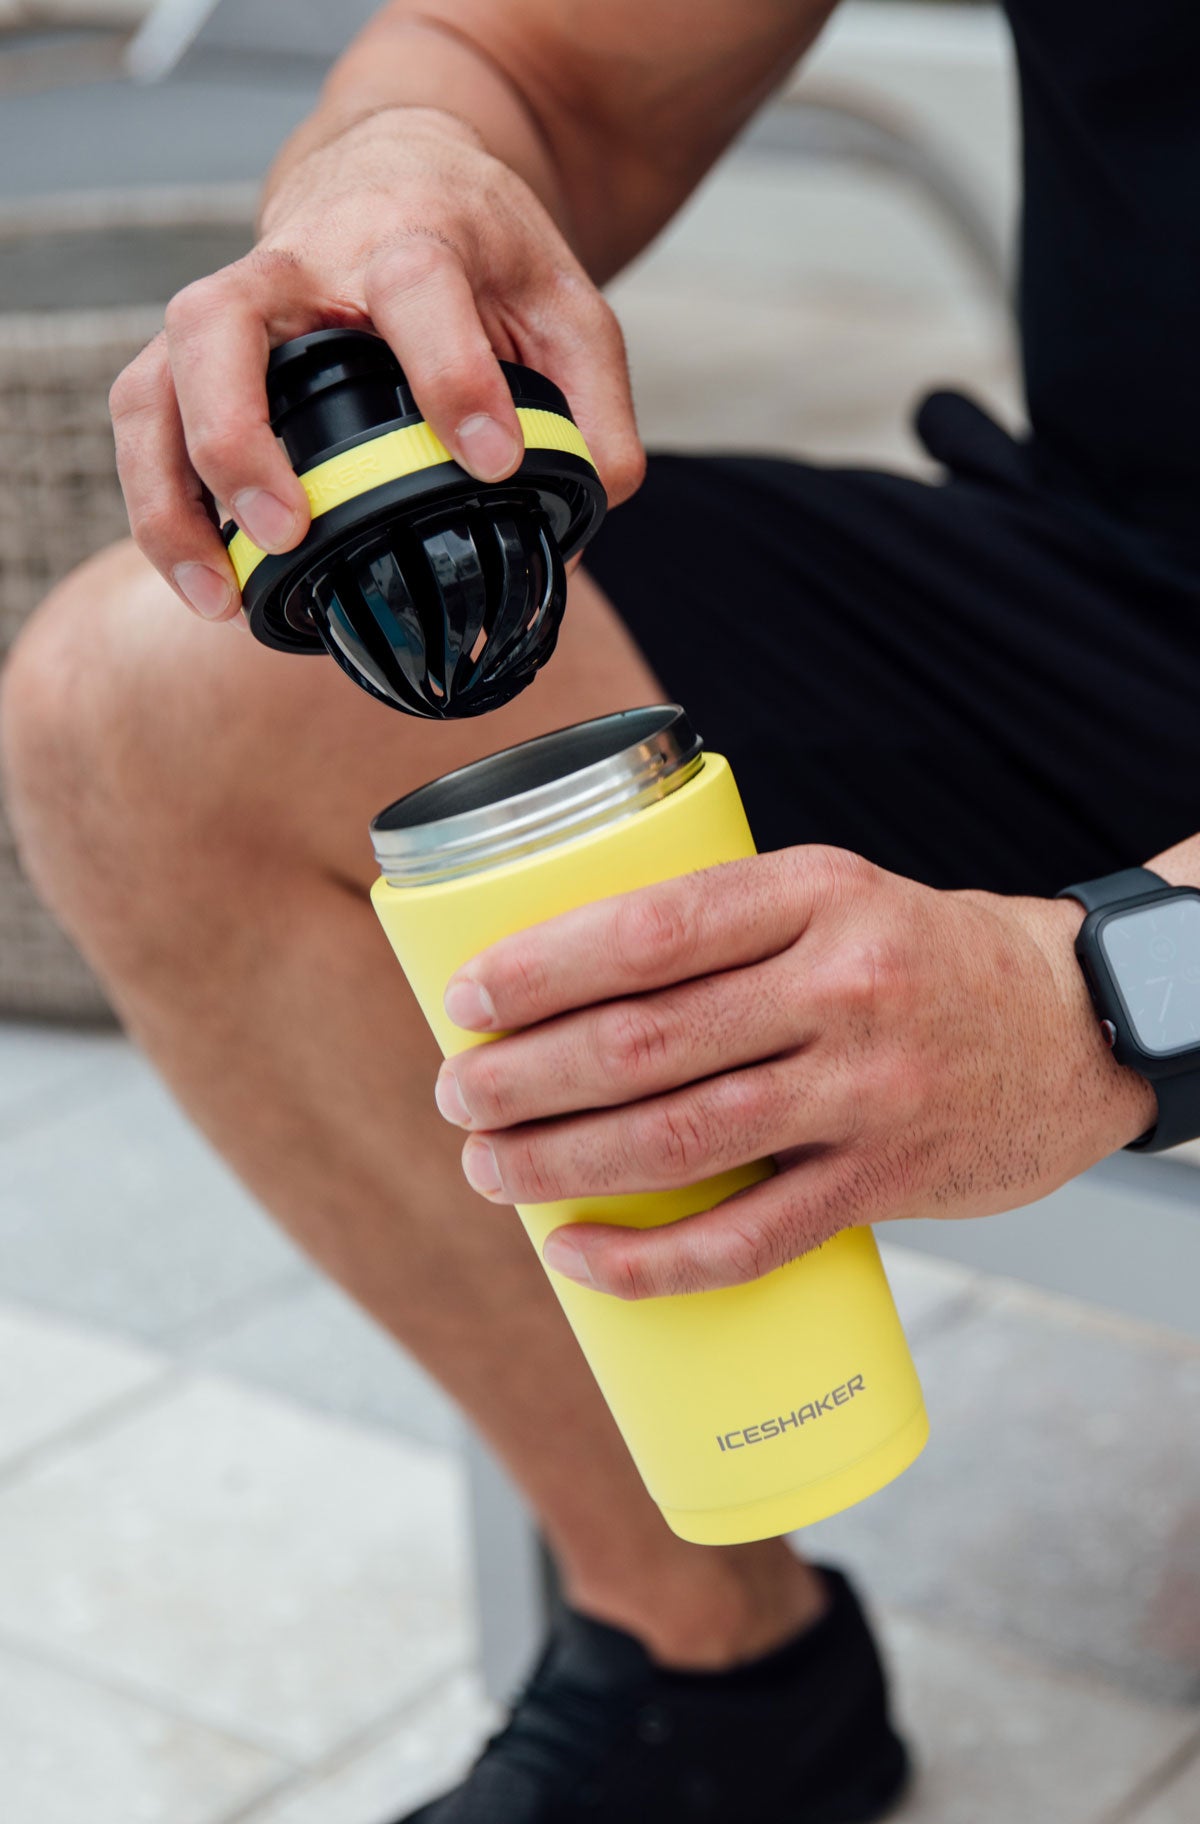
(751, 1410)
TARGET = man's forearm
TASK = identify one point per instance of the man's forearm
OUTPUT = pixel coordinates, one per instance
(611, 114)
(399, 61)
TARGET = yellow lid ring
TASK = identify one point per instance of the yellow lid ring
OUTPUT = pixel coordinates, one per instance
(391, 456)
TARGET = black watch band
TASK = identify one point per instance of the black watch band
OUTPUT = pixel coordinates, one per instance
(1111, 889)
(1177, 1096)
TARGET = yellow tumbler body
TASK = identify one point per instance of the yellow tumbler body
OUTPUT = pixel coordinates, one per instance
(751, 1410)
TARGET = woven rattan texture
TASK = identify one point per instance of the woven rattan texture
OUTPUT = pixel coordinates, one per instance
(59, 503)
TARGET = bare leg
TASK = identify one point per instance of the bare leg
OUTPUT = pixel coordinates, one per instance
(195, 809)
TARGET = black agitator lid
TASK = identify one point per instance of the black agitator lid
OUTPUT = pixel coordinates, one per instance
(439, 594)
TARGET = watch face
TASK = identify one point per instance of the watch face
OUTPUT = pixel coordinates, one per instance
(1154, 955)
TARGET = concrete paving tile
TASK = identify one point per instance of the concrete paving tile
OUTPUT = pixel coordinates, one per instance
(44, 1067)
(1058, 1501)
(926, 1290)
(318, 1347)
(1178, 1803)
(270, 1572)
(402, 1768)
(998, 1739)
(53, 1374)
(119, 1213)
(71, 1750)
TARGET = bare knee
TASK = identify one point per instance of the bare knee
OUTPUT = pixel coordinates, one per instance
(81, 784)
(142, 746)
(41, 738)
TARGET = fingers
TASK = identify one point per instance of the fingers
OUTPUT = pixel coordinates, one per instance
(578, 341)
(721, 918)
(219, 335)
(664, 1143)
(420, 298)
(629, 1049)
(168, 512)
(190, 415)
(748, 1235)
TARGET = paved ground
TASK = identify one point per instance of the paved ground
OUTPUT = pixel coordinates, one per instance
(233, 1580)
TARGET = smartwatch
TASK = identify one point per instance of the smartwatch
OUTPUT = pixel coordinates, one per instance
(1139, 949)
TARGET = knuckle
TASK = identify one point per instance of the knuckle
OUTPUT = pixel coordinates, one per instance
(527, 1169)
(125, 390)
(578, 301)
(154, 525)
(628, 468)
(750, 1250)
(674, 1142)
(410, 261)
(630, 1276)
(482, 1086)
(196, 304)
(651, 933)
(456, 388)
(891, 967)
(582, 320)
(745, 1102)
(140, 383)
(217, 449)
(857, 978)
(127, 394)
(869, 975)
(603, 328)
(837, 872)
(573, 291)
(630, 1041)
(521, 982)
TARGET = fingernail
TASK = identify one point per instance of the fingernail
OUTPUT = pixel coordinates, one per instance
(264, 517)
(448, 1097)
(469, 1005)
(479, 1165)
(206, 590)
(485, 447)
(563, 1254)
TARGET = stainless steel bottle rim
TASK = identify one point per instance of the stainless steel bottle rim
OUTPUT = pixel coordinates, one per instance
(536, 796)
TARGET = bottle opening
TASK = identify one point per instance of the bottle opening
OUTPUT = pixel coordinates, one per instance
(537, 795)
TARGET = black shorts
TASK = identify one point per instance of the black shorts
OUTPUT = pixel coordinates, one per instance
(978, 682)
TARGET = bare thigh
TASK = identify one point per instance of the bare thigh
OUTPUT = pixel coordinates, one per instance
(201, 729)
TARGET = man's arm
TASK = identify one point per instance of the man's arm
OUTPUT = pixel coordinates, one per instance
(899, 1051)
(612, 113)
(473, 168)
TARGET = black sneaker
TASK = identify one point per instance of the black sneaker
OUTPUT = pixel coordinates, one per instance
(601, 1735)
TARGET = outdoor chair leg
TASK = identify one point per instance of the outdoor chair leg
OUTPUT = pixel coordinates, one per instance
(514, 1577)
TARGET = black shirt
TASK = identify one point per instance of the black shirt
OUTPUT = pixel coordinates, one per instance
(1110, 251)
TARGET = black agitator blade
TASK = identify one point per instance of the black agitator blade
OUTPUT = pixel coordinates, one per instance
(438, 594)
(450, 620)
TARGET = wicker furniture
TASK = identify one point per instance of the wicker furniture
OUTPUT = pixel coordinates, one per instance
(113, 262)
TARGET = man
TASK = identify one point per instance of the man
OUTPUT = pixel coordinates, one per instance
(947, 703)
